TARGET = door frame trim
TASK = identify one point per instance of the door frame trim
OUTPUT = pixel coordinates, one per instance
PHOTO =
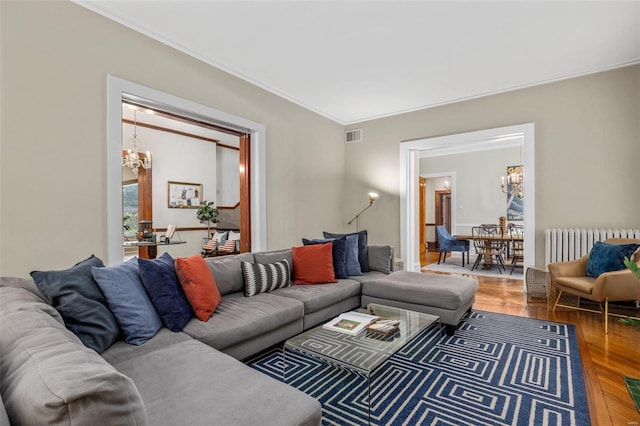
(409, 160)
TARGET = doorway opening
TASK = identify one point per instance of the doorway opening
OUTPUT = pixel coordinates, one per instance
(435, 208)
(254, 167)
(410, 152)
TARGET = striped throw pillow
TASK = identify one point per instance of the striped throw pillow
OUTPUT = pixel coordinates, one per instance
(228, 247)
(261, 278)
(210, 245)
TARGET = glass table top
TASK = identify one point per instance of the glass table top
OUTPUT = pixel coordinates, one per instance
(365, 351)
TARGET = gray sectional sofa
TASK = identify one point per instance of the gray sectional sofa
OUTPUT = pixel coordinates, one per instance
(47, 376)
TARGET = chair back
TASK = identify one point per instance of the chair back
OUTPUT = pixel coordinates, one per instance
(516, 238)
(443, 234)
(488, 238)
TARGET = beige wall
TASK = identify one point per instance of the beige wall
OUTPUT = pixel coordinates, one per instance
(587, 146)
(479, 198)
(55, 60)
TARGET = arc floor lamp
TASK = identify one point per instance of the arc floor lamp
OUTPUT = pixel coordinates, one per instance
(372, 199)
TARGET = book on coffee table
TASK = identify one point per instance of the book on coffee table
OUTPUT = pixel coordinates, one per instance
(350, 323)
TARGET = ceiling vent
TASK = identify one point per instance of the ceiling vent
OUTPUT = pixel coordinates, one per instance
(353, 135)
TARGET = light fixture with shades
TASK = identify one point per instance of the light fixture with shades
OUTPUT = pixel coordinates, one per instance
(514, 182)
(132, 158)
(372, 199)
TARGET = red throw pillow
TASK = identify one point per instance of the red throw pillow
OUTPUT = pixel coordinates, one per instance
(198, 285)
(313, 264)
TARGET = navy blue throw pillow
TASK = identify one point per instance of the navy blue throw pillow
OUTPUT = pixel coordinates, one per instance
(363, 251)
(605, 257)
(339, 253)
(161, 282)
(75, 294)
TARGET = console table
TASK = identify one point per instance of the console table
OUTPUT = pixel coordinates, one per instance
(152, 247)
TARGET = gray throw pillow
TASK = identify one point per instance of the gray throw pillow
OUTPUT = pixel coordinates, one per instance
(381, 258)
(75, 294)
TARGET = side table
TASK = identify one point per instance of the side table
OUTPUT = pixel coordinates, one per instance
(538, 282)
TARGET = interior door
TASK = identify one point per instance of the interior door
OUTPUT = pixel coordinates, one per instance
(423, 216)
(443, 209)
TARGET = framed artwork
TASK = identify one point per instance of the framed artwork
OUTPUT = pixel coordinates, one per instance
(184, 195)
(515, 204)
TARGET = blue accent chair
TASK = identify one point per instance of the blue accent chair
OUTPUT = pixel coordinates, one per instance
(447, 243)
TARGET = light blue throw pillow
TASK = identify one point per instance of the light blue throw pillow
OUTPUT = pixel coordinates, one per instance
(128, 301)
(353, 264)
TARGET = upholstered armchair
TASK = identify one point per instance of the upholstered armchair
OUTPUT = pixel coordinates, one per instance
(447, 243)
(616, 286)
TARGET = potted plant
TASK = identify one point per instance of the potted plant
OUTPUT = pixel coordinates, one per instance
(633, 266)
(635, 269)
(207, 213)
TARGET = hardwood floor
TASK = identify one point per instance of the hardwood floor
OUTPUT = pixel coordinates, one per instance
(605, 358)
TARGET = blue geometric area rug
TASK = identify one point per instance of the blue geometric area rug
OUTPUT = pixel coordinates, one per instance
(496, 370)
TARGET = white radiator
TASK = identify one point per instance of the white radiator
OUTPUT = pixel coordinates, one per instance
(563, 244)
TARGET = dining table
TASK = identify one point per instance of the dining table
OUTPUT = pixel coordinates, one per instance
(506, 237)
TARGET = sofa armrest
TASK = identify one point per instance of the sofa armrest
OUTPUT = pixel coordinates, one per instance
(381, 258)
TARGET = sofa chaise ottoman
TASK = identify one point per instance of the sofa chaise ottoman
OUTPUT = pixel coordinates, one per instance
(446, 296)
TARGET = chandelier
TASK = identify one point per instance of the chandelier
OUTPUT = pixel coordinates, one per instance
(133, 159)
(514, 182)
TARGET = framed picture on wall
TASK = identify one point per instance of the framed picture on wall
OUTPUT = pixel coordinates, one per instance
(184, 195)
(515, 204)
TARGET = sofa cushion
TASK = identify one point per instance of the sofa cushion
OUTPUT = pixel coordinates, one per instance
(381, 259)
(227, 272)
(439, 291)
(128, 301)
(161, 282)
(213, 388)
(75, 294)
(25, 283)
(274, 256)
(363, 251)
(121, 351)
(316, 297)
(605, 257)
(339, 253)
(239, 318)
(50, 377)
(198, 285)
(369, 276)
(313, 264)
(263, 278)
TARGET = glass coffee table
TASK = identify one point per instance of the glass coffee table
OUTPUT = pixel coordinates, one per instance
(361, 354)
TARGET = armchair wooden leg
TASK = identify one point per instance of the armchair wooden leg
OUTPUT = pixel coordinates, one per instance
(557, 300)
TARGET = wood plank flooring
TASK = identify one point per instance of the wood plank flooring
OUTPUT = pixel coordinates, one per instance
(605, 358)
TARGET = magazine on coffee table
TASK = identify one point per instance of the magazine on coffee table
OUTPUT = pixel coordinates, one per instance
(350, 323)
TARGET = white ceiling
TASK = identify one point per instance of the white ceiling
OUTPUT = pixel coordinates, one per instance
(356, 60)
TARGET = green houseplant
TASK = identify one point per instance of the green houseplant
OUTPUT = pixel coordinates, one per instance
(633, 266)
(207, 213)
(635, 269)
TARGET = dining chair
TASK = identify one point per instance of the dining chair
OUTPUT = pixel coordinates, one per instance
(489, 243)
(516, 243)
(446, 243)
